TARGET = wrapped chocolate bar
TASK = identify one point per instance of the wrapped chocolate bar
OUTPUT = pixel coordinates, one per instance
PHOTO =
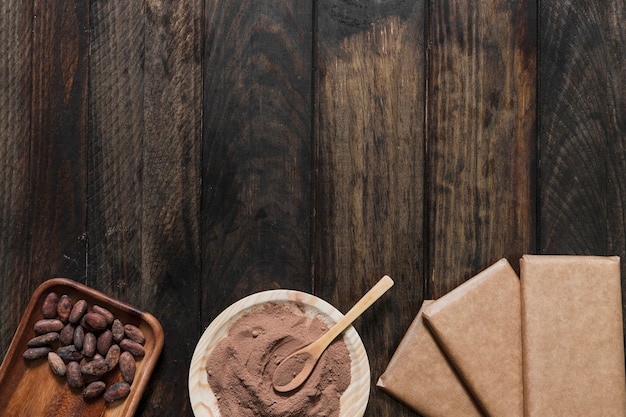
(420, 376)
(478, 325)
(572, 336)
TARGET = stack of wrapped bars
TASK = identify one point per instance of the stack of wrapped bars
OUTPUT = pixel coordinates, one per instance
(549, 343)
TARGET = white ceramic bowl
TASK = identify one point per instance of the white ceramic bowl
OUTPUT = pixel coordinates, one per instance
(354, 399)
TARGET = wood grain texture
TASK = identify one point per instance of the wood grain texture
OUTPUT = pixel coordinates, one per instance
(583, 127)
(171, 189)
(43, 141)
(58, 170)
(145, 165)
(256, 150)
(481, 106)
(117, 124)
(369, 171)
(15, 121)
(181, 155)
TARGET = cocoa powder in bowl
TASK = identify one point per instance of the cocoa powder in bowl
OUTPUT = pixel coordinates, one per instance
(240, 367)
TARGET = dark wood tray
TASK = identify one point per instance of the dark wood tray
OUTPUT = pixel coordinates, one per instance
(29, 388)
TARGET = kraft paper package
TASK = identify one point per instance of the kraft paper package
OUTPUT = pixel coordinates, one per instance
(478, 325)
(420, 376)
(573, 338)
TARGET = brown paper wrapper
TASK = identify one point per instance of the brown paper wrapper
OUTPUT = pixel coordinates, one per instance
(420, 376)
(572, 336)
(478, 325)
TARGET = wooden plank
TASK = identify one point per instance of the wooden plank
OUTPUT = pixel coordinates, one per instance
(481, 126)
(369, 169)
(145, 183)
(15, 121)
(171, 188)
(256, 150)
(44, 140)
(583, 147)
(58, 173)
(115, 147)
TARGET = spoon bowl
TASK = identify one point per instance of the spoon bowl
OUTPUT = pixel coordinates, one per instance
(296, 368)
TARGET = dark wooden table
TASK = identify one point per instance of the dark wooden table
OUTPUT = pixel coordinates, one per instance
(181, 155)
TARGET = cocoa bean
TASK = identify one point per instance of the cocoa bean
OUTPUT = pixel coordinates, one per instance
(66, 337)
(79, 309)
(104, 342)
(134, 333)
(48, 325)
(64, 308)
(56, 364)
(79, 337)
(104, 312)
(133, 347)
(89, 344)
(49, 307)
(94, 321)
(96, 367)
(94, 390)
(73, 375)
(117, 391)
(113, 356)
(69, 354)
(36, 353)
(128, 366)
(117, 328)
(43, 340)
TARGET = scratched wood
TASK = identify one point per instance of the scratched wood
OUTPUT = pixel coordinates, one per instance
(481, 137)
(583, 129)
(181, 155)
(144, 188)
(256, 150)
(44, 131)
(369, 168)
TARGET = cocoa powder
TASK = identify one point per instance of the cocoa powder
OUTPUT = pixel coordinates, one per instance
(241, 366)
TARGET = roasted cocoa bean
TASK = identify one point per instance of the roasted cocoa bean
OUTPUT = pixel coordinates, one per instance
(93, 343)
(94, 390)
(117, 391)
(104, 342)
(89, 344)
(133, 347)
(134, 333)
(96, 367)
(49, 307)
(117, 328)
(94, 321)
(113, 356)
(66, 336)
(44, 326)
(64, 308)
(69, 354)
(128, 366)
(36, 353)
(79, 309)
(56, 364)
(105, 313)
(43, 340)
(79, 337)
(73, 374)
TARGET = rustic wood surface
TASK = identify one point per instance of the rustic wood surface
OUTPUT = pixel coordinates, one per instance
(180, 155)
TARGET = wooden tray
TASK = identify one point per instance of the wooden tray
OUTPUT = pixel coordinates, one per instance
(29, 388)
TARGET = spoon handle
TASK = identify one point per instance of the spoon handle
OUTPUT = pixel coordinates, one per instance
(363, 304)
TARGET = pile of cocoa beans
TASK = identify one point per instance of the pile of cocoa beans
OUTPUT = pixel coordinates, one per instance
(85, 343)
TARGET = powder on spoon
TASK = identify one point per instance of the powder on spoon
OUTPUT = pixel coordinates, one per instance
(241, 366)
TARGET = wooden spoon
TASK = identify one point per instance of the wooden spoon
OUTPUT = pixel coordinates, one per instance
(296, 368)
